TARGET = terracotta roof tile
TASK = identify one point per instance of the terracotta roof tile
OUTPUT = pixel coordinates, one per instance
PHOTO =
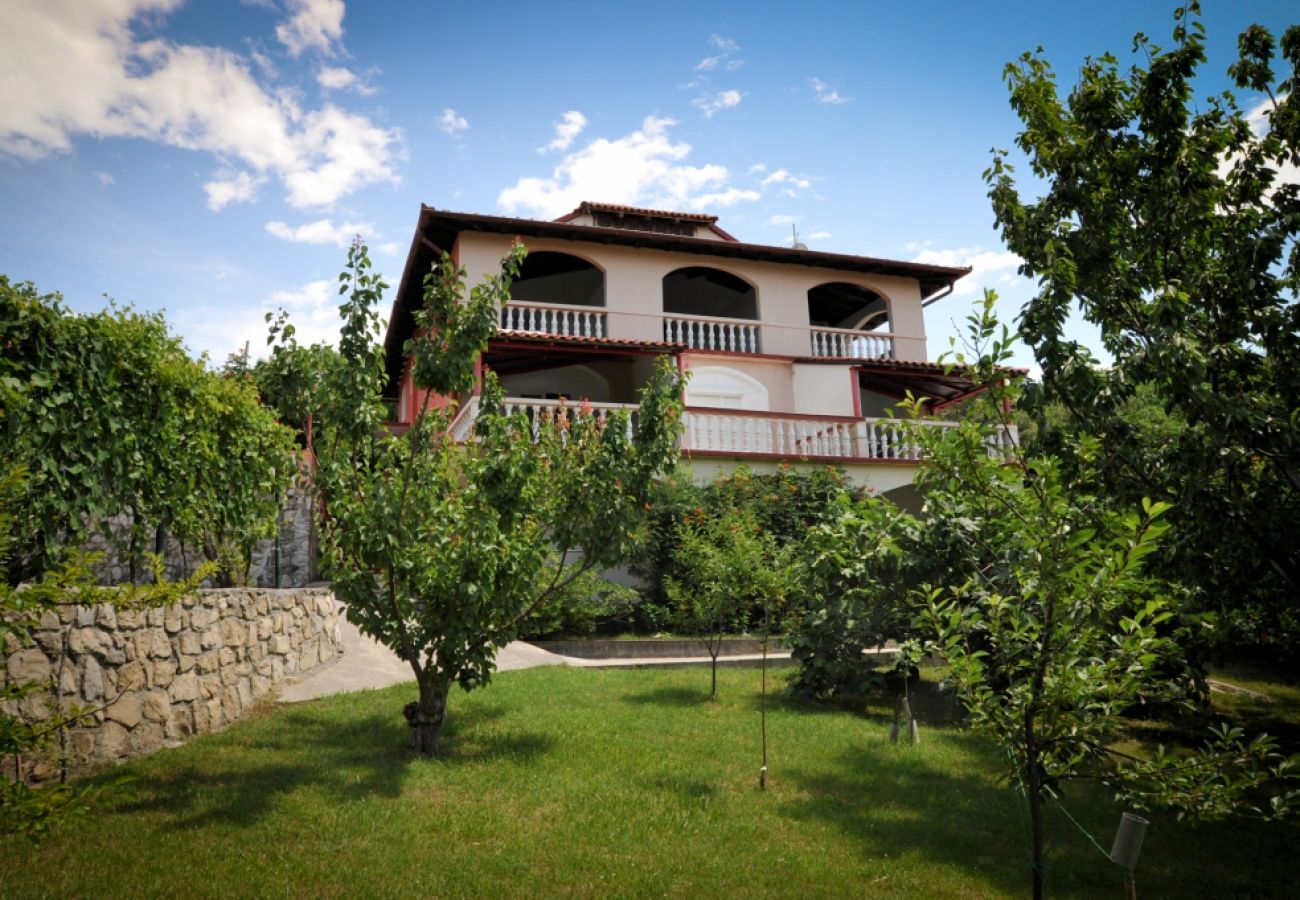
(587, 206)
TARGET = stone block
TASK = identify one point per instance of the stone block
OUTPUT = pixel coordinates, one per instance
(174, 619)
(232, 632)
(92, 679)
(244, 688)
(189, 642)
(130, 677)
(201, 617)
(189, 600)
(112, 740)
(185, 687)
(85, 616)
(146, 738)
(163, 671)
(230, 705)
(106, 616)
(260, 684)
(279, 644)
(201, 718)
(263, 628)
(29, 665)
(88, 640)
(49, 641)
(68, 682)
(226, 657)
(180, 724)
(185, 662)
(209, 662)
(81, 744)
(263, 605)
(50, 620)
(216, 719)
(160, 646)
(154, 616)
(210, 686)
(130, 619)
(157, 706)
(125, 710)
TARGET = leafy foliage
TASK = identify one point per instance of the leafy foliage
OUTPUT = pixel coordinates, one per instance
(112, 418)
(1165, 223)
(728, 569)
(438, 546)
(853, 573)
(1053, 629)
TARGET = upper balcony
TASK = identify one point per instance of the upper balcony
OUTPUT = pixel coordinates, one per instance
(706, 309)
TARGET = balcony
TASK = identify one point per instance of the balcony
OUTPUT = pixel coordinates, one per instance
(840, 343)
(723, 432)
(711, 333)
(549, 318)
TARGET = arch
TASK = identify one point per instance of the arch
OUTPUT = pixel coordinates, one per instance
(706, 291)
(549, 276)
(839, 304)
(727, 388)
(576, 382)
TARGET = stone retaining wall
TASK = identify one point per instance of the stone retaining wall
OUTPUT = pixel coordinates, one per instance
(160, 676)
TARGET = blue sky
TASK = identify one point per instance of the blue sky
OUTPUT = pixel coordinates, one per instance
(213, 159)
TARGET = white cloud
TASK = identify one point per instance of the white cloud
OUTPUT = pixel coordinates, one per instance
(389, 249)
(719, 101)
(644, 168)
(105, 178)
(782, 219)
(820, 236)
(81, 70)
(1288, 172)
(314, 25)
(824, 93)
(988, 267)
(566, 130)
(452, 122)
(322, 231)
(231, 187)
(789, 184)
(335, 78)
(756, 168)
(725, 58)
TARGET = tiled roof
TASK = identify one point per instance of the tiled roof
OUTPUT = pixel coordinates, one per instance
(587, 206)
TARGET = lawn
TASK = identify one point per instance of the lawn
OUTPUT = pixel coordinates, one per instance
(606, 783)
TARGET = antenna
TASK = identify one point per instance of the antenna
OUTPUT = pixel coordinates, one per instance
(794, 238)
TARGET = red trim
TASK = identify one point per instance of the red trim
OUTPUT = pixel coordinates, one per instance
(741, 454)
(855, 388)
(769, 414)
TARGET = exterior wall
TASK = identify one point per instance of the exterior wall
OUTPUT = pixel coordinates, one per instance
(774, 375)
(879, 477)
(158, 677)
(824, 390)
(299, 549)
(634, 290)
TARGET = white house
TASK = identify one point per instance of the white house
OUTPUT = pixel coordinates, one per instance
(795, 355)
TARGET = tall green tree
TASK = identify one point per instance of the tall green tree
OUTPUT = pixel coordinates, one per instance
(1171, 223)
(441, 547)
(1051, 627)
(117, 421)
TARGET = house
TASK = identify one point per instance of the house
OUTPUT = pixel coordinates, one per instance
(795, 355)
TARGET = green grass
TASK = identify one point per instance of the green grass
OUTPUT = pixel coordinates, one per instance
(559, 782)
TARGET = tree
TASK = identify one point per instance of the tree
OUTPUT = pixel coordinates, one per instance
(853, 571)
(117, 421)
(1052, 629)
(440, 547)
(723, 566)
(1171, 225)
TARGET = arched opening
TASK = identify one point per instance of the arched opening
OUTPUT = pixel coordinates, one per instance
(702, 291)
(725, 388)
(560, 278)
(848, 306)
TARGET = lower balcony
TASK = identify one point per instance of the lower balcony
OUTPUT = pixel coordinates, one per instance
(722, 432)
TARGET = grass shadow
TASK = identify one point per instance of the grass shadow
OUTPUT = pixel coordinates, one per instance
(670, 696)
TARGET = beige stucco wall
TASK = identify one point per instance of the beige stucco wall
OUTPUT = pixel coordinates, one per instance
(772, 374)
(880, 477)
(634, 290)
(823, 390)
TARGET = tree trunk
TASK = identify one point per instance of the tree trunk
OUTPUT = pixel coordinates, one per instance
(1034, 795)
(713, 691)
(429, 713)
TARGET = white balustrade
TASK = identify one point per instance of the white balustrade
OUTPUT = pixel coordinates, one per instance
(541, 412)
(565, 321)
(845, 344)
(463, 422)
(774, 434)
(698, 333)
